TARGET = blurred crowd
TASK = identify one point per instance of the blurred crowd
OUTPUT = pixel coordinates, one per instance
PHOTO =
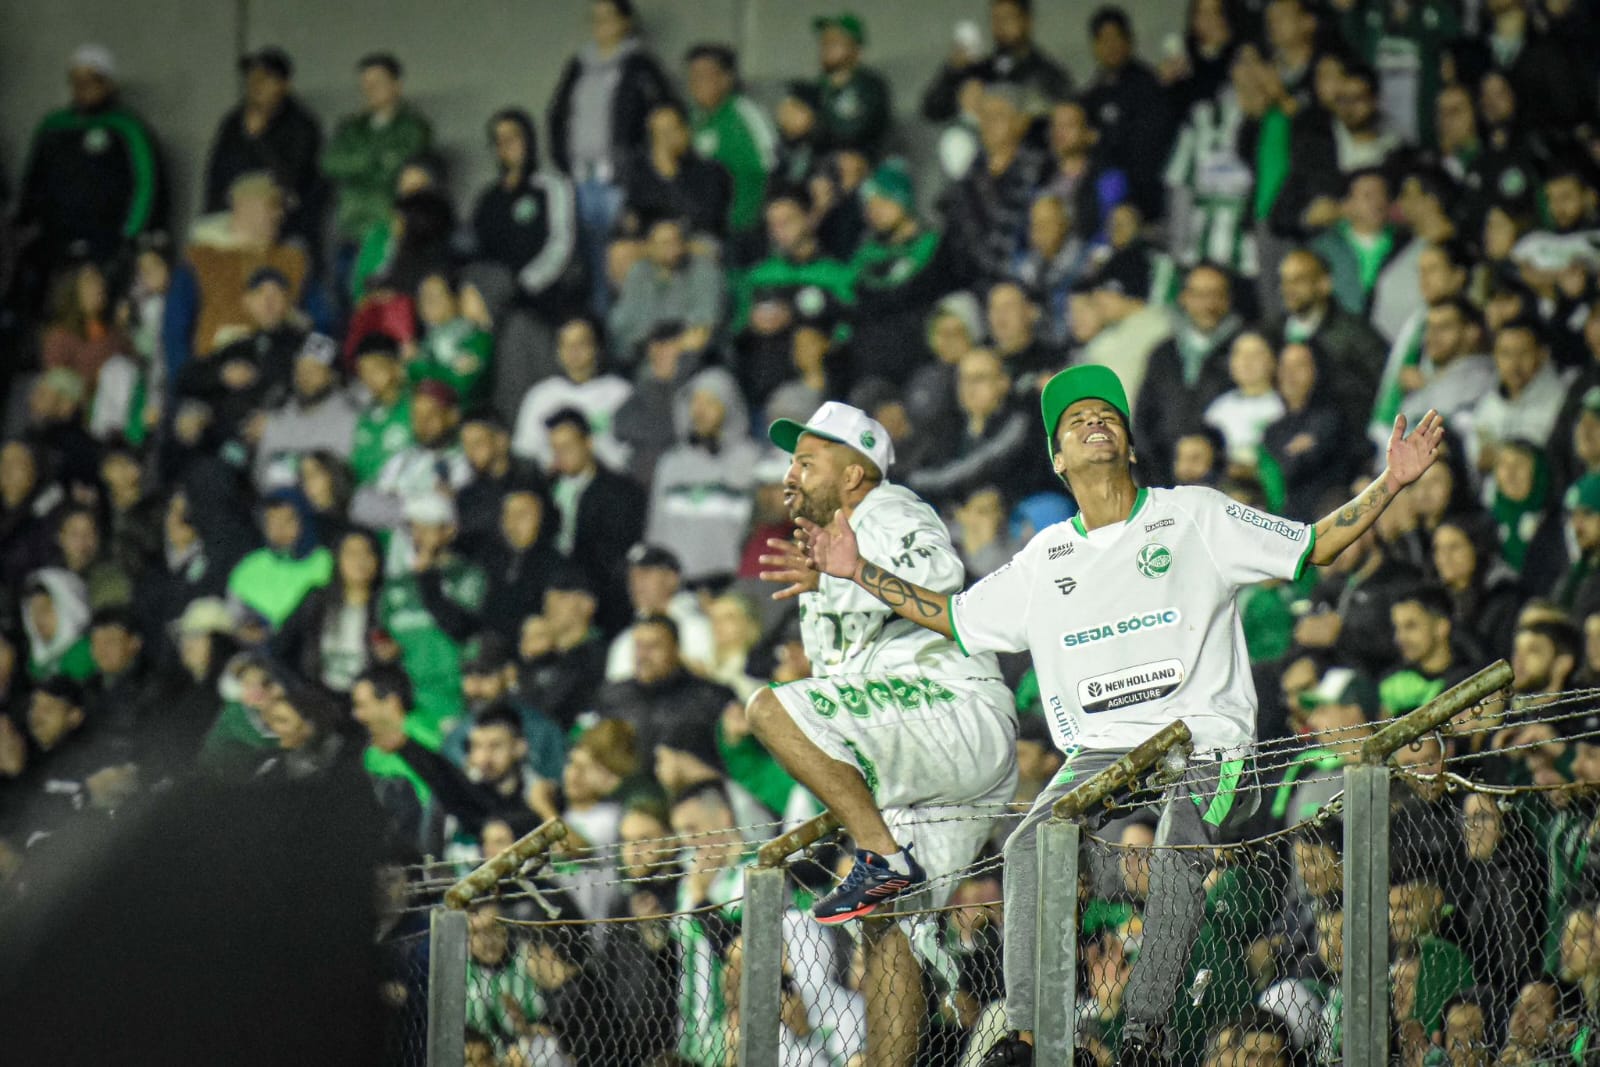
(461, 493)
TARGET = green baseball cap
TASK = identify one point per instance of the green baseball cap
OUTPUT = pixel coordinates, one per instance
(1091, 381)
(1584, 494)
(892, 182)
(848, 21)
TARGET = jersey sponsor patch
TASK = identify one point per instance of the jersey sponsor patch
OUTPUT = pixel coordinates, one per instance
(1056, 552)
(1128, 624)
(1130, 685)
(1270, 523)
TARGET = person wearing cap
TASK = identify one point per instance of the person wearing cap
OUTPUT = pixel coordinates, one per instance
(854, 99)
(655, 587)
(432, 605)
(318, 415)
(1132, 326)
(1130, 612)
(582, 384)
(270, 130)
(92, 182)
(732, 129)
(986, 212)
(1578, 590)
(249, 373)
(364, 156)
(433, 460)
(899, 271)
(383, 428)
(274, 579)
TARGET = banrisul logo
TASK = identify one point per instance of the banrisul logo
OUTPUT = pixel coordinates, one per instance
(1153, 560)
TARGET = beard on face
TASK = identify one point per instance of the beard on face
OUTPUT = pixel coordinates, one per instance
(816, 506)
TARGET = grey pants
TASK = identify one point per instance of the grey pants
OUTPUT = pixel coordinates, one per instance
(1176, 904)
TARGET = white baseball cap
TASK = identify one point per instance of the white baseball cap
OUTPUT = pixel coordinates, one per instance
(430, 509)
(95, 57)
(843, 425)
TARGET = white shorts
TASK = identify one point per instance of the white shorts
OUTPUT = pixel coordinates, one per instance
(928, 749)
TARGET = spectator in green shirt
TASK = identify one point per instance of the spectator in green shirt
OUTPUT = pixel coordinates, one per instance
(383, 429)
(732, 130)
(855, 109)
(273, 579)
(367, 150)
(454, 349)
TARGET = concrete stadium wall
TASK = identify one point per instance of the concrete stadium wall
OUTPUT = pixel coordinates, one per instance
(464, 58)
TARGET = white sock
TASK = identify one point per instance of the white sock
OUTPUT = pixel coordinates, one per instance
(899, 862)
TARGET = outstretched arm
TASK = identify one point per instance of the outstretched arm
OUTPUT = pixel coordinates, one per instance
(1408, 456)
(832, 550)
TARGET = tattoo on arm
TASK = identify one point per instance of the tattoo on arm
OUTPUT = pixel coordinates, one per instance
(1376, 496)
(898, 593)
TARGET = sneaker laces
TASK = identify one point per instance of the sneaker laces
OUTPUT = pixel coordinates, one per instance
(860, 871)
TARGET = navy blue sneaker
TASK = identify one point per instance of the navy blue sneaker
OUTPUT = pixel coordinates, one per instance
(871, 882)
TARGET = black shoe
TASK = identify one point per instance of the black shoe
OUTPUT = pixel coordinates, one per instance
(1009, 1051)
(1141, 1052)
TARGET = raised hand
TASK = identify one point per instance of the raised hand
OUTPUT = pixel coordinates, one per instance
(1411, 454)
(790, 562)
(833, 548)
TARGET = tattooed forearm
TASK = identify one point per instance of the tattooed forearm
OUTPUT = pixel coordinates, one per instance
(910, 600)
(1374, 499)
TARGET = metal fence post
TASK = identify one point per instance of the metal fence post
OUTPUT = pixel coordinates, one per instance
(1055, 946)
(761, 976)
(1365, 1023)
(447, 987)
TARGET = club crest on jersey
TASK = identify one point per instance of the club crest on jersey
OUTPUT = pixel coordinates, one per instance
(1153, 560)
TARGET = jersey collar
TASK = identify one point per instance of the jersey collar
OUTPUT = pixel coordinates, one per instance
(1139, 499)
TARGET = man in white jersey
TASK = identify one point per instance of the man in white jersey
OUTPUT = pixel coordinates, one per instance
(897, 729)
(1129, 611)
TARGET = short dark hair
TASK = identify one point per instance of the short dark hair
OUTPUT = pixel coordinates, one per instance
(1024, 6)
(115, 615)
(666, 622)
(1527, 323)
(499, 713)
(1430, 598)
(1457, 252)
(1470, 315)
(624, 8)
(386, 60)
(569, 417)
(1564, 637)
(1359, 173)
(792, 191)
(711, 791)
(1363, 72)
(721, 54)
(1110, 15)
(388, 681)
(1435, 183)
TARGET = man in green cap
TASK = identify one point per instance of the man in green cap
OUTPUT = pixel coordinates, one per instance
(1578, 590)
(899, 271)
(1129, 611)
(855, 99)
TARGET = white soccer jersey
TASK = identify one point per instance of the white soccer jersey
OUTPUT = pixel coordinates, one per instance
(1134, 625)
(848, 631)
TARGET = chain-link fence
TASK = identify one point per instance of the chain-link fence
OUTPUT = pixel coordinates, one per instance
(1419, 892)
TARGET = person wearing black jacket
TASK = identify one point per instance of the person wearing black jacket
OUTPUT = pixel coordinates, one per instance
(527, 222)
(665, 704)
(494, 472)
(517, 560)
(988, 443)
(326, 640)
(601, 513)
(1015, 60)
(1186, 372)
(270, 130)
(1308, 444)
(669, 181)
(1131, 109)
(561, 651)
(92, 181)
(1352, 607)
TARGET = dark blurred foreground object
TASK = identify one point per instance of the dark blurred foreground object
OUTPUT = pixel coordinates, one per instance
(211, 925)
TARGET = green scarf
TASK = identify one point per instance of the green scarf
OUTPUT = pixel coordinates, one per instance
(1516, 521)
